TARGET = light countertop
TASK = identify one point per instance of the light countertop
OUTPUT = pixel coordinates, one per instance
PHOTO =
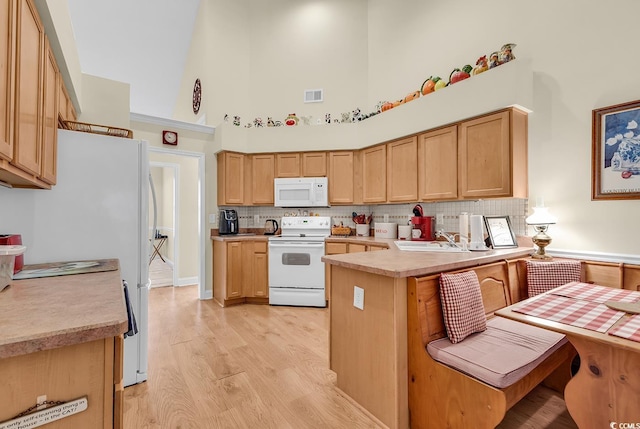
(396, 263)
(46, 313)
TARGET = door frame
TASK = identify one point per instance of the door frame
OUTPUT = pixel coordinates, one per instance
(201, 211)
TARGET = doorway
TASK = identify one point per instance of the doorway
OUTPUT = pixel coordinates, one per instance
(165, 180)
(180, 214)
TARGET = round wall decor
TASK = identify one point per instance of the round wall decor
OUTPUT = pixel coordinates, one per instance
(197, 96)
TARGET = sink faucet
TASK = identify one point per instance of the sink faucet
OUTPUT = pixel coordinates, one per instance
(451, 239)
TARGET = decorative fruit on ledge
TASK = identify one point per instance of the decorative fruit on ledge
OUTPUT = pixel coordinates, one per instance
(481, 66)
(386, 106)
(428, 86)
(440, 83)
(411, 96)
(457, 75)
(291, 120)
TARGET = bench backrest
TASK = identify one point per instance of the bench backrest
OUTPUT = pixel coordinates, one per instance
(494, 286)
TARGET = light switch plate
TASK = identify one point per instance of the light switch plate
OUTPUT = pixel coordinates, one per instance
(358, 297)
(440, 218)
(256, 220)
(212, 218)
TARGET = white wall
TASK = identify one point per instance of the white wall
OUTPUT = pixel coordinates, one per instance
(581, 53)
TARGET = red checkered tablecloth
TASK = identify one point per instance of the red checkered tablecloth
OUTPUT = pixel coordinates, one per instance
(629, 329)
(594, 293)
(582, 314)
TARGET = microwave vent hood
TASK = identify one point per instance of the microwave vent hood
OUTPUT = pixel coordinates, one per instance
(301, 192)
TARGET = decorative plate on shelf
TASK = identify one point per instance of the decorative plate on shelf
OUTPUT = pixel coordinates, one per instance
(197, 96)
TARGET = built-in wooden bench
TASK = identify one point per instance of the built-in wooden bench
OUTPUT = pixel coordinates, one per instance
(443, 397)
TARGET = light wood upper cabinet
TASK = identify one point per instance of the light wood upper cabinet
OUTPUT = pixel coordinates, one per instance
(341, 177)
(230, 178)
(492, 156)
(50, 118)
(314, 164)
(402, 170)
(438, 164)
(262, 175)
(288, 165)
(30, 56)
(374, 174)
(7, 66)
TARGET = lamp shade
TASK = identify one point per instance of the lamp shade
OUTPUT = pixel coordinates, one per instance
(541, 216)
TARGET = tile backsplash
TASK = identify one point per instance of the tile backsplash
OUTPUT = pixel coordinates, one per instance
(515, 208)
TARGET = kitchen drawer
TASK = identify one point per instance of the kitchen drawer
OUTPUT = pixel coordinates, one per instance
(335, 248)
(259, 247)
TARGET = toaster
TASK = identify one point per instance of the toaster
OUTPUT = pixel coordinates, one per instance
(228, 223)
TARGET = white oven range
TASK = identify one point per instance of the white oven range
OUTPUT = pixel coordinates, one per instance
(296, 271)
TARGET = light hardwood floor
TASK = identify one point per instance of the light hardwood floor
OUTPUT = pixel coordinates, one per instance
(257, 366)
(160, 273)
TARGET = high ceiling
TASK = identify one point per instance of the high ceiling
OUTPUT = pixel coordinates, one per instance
(140, 42)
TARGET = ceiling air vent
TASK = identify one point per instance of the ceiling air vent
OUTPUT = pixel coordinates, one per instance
(313, 96)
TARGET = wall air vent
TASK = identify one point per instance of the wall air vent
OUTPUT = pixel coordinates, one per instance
(313, 96)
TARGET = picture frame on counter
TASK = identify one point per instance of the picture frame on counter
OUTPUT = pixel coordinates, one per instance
(500, 232)
(615, 157)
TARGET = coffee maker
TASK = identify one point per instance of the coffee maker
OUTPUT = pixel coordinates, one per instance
(228, 223)
(426, 226)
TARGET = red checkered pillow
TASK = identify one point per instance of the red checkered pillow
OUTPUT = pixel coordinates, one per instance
(462, 306)
(544, 276)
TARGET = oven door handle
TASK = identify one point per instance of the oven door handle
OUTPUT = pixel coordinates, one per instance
(297, 244)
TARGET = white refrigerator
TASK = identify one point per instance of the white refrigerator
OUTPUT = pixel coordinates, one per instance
(99, 209)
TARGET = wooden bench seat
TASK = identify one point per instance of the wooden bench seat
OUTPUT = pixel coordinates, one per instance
(443, 397)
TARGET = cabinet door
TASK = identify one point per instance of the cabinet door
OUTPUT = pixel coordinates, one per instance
(234, 270)
(30, 55)
(374, 174)
(262, 171)
(438, 164)
(288, 165)
(7, 65)
(230, 178)
(402, 170)
(331, 249)
(314, 164)
(484, 157)
(260, 270)
(341, 177)
(50, 118)
(63, 100)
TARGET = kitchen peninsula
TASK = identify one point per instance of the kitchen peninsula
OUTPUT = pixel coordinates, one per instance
(368, 347)
(61, 341)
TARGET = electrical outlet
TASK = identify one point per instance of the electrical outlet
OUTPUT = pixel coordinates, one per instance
(358, 297)
(256, 220)
(440, 218)
(212, 218)
(385, 217)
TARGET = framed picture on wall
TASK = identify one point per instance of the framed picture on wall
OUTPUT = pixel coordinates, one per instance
(615, 156)
(500, 232)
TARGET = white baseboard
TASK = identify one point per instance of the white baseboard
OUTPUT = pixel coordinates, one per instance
(208, 294)
(595, 256)
(188, 281)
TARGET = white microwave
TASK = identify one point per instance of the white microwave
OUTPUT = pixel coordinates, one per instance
(301, 192)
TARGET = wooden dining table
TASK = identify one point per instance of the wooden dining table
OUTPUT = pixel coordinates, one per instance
(605, 392)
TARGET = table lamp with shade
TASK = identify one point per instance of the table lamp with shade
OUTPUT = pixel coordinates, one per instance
(540, 221)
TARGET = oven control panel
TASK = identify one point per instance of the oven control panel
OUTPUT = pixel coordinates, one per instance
(306, 222)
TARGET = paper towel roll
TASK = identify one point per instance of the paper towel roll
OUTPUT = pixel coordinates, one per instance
(477, 235)
(464, 227)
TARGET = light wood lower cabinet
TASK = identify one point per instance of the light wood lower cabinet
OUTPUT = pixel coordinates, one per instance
(338, 248)
(92, 369)
(240, 271)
